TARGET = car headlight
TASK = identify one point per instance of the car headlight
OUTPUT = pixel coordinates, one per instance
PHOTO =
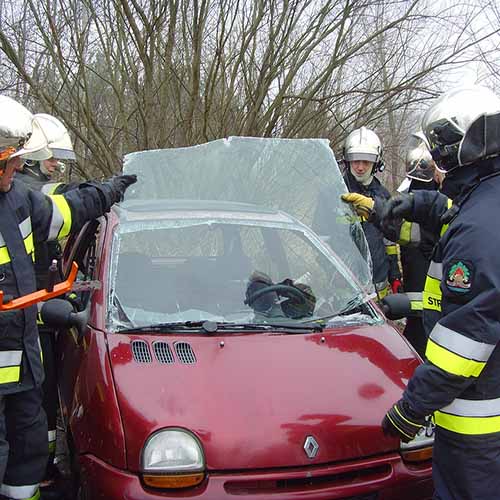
(420, 448)
(173, 458)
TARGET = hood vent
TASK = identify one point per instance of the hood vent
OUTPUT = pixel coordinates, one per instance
(163, 353)
(141, 352)
(185, 353)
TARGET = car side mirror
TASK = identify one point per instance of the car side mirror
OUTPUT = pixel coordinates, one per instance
(59, 313)
(397, 306)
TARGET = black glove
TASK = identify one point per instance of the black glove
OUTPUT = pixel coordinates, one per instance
(399, 206)
(402, 422)
(119, 184)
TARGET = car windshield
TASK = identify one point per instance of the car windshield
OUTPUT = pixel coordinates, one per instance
(240, 230)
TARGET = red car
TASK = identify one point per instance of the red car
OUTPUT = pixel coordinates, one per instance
(223, 349)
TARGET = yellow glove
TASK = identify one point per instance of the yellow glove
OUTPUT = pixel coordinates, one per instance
(363, 205)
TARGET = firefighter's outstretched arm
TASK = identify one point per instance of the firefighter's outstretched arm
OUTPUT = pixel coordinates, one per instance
(56, 216)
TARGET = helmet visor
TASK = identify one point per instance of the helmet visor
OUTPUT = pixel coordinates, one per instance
(355, 156)
(443, 133)
(63, 154)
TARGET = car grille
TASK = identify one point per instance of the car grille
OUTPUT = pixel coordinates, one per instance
(185, 353)
(339, 479)
(141, 352)
(163, 353)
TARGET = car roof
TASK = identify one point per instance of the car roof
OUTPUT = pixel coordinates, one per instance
(145, 210)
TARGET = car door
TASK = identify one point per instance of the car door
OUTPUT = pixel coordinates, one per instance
(85, 248)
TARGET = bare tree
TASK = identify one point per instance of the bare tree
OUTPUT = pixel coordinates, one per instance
(127, 75)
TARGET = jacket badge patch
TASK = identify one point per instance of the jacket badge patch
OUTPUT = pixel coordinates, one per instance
(459, 277)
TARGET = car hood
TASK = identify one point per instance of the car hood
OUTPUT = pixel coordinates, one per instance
(253, 399)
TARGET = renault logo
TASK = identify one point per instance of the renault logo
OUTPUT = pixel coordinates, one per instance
(311, 447)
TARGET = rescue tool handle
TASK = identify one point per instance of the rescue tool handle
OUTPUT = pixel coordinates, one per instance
(40, 295)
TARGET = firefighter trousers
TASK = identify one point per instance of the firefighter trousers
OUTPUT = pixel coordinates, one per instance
(23, 443)
(50, 394)
(466, 467)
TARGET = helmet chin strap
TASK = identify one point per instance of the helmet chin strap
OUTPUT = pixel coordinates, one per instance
(364, 179)
(44, 170)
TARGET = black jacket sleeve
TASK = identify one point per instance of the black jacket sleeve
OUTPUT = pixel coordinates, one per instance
(55, 216)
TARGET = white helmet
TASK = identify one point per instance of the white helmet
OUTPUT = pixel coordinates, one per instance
(419, 163)
(363, 144)
(17, 130)
(446, 124)
(59, 142)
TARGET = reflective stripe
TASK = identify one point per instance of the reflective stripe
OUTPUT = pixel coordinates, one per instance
(409, 233)
(25, 227)
(405, 233)
(460, 344)
(29, 245)
(391, 250)
(10, 366)
(4, 255)
(27, 235)
(435, 270)
(50, 187)
(451, 362)
(474, 408)
(415, 300)
(52, 441)
(445, 227)
(60, 224)
(10, 358)
(390, 247)
(431, 296)
(467, 425)
(29, 492)
(455, 353)
(467, 416)
(10, 375)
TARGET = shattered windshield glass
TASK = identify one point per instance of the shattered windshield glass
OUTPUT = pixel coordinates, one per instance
(237, 230)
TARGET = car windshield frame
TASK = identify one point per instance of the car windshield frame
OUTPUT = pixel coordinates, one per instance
(138, 218)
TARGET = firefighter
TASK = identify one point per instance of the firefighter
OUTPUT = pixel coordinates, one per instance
(416, 241)
(38, 175)
(416, 249)
(363, 157)
(460, 381)
(28, 218)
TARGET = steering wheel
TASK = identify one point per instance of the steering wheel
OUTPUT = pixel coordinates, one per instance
(290, 290)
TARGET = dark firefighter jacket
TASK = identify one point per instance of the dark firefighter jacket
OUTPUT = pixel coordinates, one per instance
(416, 242)
(460, 380)
(28, 218)
(383, 252)
(45, 251)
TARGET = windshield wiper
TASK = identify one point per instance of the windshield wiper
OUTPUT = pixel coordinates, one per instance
(208, 326)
